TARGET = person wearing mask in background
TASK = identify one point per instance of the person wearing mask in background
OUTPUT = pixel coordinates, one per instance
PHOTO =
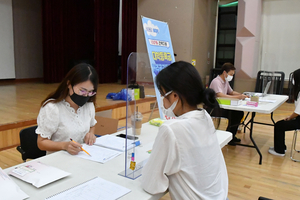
(186, 157)
(221, 86)
(291, 122)
(69, 112)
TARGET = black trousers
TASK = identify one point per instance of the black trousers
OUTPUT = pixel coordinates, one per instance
(234, 118)
(279, 132)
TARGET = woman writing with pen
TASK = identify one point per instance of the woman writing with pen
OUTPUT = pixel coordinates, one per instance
(69, 112)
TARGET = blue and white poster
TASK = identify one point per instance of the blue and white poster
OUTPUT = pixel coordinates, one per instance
(160, 49)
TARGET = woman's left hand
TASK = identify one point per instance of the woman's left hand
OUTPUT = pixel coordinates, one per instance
(90, 138)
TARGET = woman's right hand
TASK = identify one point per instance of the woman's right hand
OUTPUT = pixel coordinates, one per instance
(242, 96)
(73, 148)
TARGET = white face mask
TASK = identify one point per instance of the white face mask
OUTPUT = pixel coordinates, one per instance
(229, 78)
(293, 81)
(168, 112)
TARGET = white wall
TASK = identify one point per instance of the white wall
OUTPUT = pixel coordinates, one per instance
(7, 65)
(192, 28)
(280, 40)
(179, 16)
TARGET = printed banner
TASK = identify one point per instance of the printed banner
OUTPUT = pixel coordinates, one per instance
(160, 49)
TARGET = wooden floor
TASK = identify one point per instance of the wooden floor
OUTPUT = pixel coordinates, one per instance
(277, 177)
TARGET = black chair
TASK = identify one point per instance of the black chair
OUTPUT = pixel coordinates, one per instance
(215, 72)
(263, 77)
(28, 147)
(276, 77)
(264, 198)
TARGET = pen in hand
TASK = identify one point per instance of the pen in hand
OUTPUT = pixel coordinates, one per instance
(81, 147)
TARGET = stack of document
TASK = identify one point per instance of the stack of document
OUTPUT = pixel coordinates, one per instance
(98, 154)
(38, 174)
(229, 101)
(105, 148)
(113, 142)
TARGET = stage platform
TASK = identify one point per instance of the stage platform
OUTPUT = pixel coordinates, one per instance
(20, 104)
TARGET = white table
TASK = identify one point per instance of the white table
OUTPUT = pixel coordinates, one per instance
(264, 106)
(82, 170)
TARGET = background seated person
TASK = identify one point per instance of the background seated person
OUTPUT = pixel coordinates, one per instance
(290, 123)
(221, 86)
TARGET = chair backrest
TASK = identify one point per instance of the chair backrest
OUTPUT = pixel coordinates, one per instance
(28, 140)
(215, 72)
(276, 77)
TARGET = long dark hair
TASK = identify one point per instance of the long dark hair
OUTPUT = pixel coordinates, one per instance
(296, 86)
(78, 74)
(182, 78)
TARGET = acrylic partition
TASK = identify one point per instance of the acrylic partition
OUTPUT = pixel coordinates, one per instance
(139, 86)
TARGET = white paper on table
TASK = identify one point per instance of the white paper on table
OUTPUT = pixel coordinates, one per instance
(114, 142)
(96, 188)
(98, 154)
(261, 99)
(37, 173)
(9, 190)
(267, 100)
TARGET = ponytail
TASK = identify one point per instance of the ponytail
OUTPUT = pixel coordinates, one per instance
(211, 104)
(209, 98)
(183, 78)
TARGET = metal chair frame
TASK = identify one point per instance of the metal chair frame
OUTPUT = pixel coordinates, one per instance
(293, 147)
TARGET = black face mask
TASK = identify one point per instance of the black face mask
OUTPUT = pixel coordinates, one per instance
(78, 99)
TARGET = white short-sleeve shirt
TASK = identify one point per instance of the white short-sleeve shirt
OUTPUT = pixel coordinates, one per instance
(60, 122)
(186, 158)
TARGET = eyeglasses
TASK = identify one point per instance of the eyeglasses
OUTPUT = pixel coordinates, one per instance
(167, 93)
(84, 92)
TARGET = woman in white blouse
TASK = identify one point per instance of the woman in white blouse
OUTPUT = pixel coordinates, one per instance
(186, 157)
(291, 122)
(69, 112)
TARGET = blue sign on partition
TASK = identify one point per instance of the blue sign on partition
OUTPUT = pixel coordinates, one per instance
(160, 49)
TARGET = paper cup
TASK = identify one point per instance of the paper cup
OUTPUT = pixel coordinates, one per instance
(136, 122)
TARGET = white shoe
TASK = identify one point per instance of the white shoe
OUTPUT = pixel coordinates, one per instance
(273, 152)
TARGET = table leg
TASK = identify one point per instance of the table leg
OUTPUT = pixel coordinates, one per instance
(251, 138)
(272, 118)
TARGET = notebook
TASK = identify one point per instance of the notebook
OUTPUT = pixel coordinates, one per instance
(37, 173)
(98, 154)
(9, 190)
(265, 91)
(113, 142)
(94, 189)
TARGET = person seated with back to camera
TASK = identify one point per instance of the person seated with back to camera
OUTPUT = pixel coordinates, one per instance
(186, 157)
(290, 123)
(221, 86)
(69, 112)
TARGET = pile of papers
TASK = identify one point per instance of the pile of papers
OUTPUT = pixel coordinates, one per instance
(106, 148)
(38, 174)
